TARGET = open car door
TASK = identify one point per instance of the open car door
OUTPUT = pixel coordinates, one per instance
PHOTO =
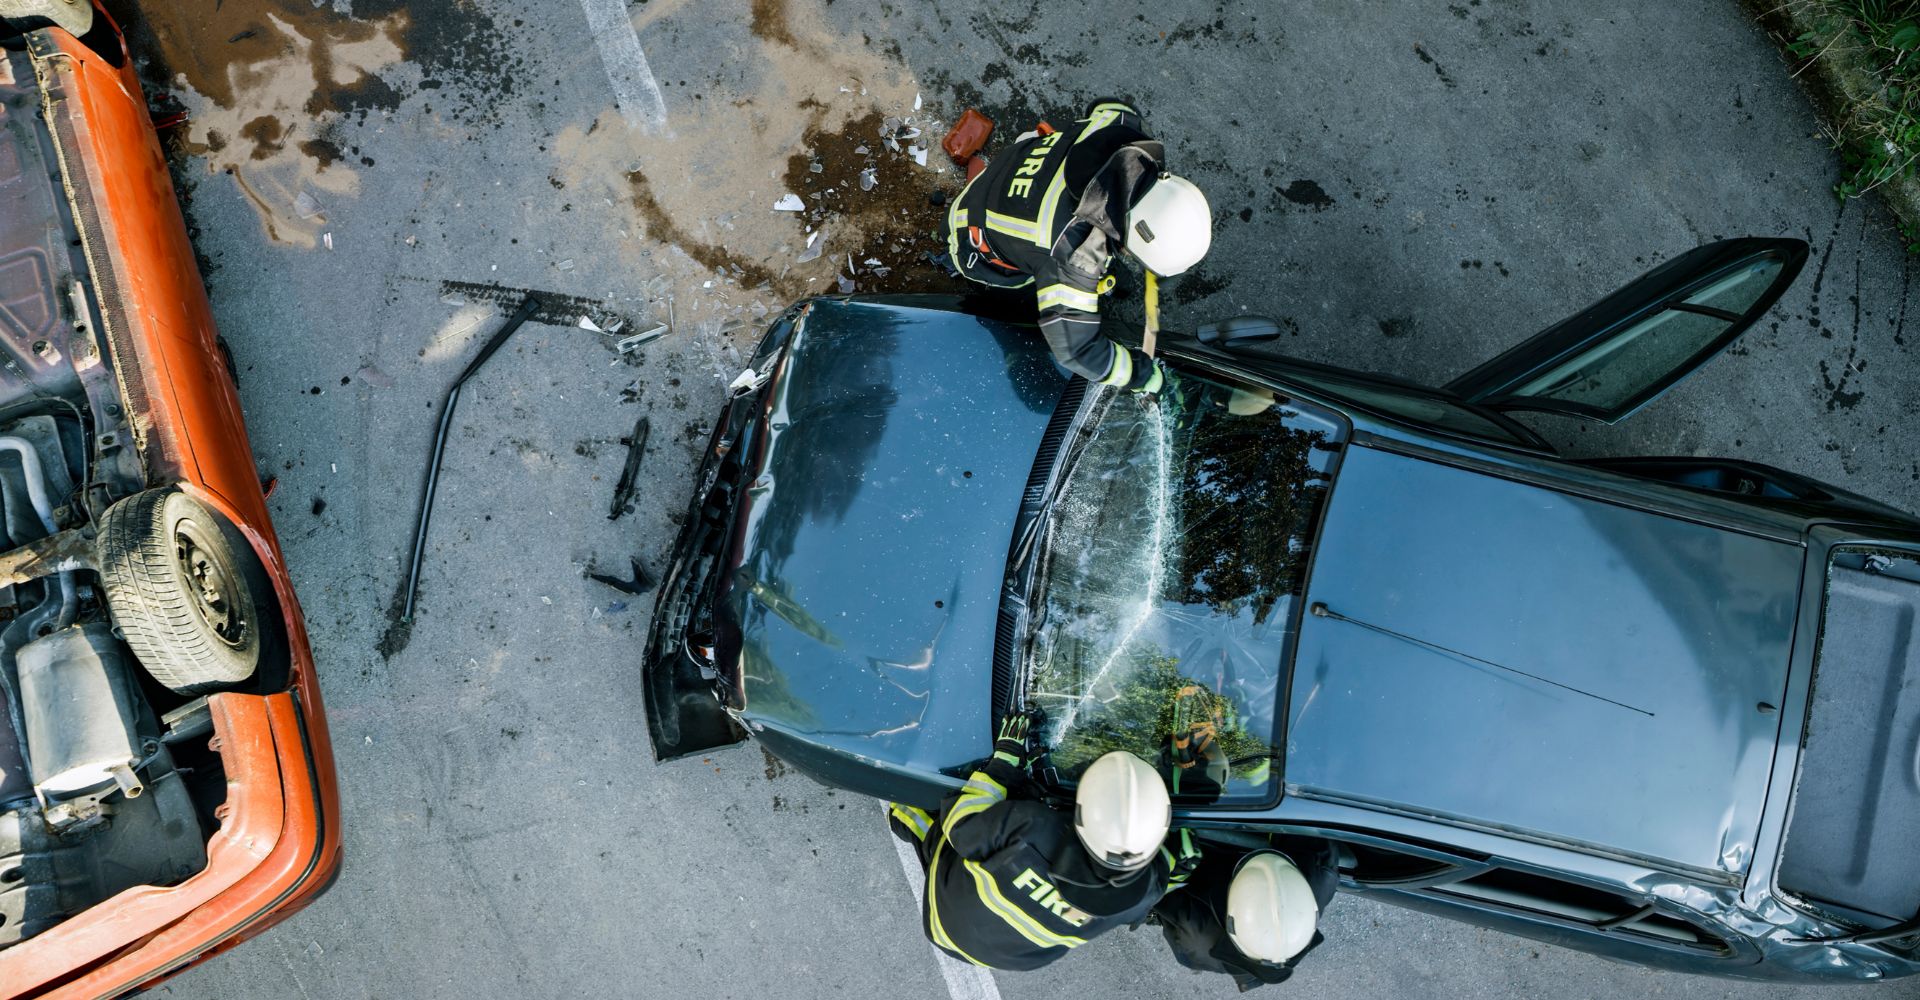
(1618, 354)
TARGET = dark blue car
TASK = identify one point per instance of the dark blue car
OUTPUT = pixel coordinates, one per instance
(1653, 708)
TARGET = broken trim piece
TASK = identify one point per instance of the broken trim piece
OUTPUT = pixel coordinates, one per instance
(527, 308)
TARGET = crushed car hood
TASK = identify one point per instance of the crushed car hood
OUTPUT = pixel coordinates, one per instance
(879, 510)
(1658, 650)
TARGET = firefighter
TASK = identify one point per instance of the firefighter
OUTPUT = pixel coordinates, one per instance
(1252, 915)
(1051, 212)
(1014, 884)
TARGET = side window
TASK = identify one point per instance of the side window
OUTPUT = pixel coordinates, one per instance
(1419, 408)
(1572, 903)
(1374, 867)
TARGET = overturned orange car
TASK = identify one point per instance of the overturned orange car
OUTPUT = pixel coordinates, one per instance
(166, 783)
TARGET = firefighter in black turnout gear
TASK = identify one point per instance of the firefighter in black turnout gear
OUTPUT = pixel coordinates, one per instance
(1050, 213)
(1014, 884)
(1251, 914)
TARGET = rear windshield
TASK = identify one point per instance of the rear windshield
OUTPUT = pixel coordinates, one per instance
(1164, 605)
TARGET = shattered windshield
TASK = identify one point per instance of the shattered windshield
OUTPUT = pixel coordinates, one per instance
(1164, 602)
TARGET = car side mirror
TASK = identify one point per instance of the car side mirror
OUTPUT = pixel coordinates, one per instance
(1238, 330)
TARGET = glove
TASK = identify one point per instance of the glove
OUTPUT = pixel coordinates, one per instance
(1186, 855)
(1155, 380)
(1014, 744)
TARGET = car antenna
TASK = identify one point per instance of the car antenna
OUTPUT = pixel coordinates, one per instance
(527, 308)
(1319, 609)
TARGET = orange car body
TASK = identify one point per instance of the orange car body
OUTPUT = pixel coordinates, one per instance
(278, 843)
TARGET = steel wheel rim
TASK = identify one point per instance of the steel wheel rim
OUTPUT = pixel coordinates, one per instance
(217, 593)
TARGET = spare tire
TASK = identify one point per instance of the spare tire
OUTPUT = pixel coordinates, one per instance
(186, 591)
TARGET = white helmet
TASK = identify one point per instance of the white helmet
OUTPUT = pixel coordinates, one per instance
(1121, 811)
(1271, 912)
(1171, 228)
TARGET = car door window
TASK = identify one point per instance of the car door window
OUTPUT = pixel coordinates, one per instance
(1573, 903)
(1612, 372)
(1618, 354)
(1424, 409)
(1372, 866)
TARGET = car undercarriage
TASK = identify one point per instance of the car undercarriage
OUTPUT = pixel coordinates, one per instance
(123, 600)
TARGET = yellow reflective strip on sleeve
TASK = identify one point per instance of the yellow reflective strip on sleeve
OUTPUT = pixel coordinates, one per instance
(1015, 917)
(916, 820)
(1069, 296)
(979, 794)
(1025, 229)
(1121, 371)
(1114, 106)
(933, 908)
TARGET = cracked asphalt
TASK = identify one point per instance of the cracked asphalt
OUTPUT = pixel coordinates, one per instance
(1410, 187)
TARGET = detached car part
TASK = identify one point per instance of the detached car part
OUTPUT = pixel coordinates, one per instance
(527, 308)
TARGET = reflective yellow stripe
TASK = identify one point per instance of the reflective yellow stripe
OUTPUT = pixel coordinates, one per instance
(980, 794)
(1023, 228)
(1114, 106)
(1099, 120)
(1069, 296)
(1050, 208)
(1122, 370)
(1057, 188)
(933, 909)
(957, 220)
(1015, 917)
(916, 820)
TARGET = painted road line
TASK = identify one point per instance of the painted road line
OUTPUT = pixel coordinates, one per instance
(964, 981)
(634, 88)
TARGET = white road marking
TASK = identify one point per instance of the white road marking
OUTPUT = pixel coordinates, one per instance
(964, 981)
(634, 87)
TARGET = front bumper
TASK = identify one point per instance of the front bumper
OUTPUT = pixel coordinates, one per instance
(276, 849)
(689, 676)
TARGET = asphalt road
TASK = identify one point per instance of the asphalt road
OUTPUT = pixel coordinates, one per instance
(1411, 186)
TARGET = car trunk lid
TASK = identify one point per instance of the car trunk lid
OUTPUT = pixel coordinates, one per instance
(1855, 820)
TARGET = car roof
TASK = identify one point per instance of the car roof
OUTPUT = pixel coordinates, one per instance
(1503, 655)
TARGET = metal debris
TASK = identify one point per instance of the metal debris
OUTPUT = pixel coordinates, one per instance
(847, 285)
(305, 205)
(916, 102)
(587, 323)
(641, 339)
(630, 473)
(491, 347)
(869, 179)
(790, 203)
(920, 155)
(640, 583)
(327, 238)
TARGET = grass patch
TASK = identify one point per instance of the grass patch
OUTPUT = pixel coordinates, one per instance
(1872, 48)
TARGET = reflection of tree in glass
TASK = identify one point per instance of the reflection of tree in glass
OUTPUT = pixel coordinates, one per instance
(839, 401)
(1152, 699)
(1247, 497)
